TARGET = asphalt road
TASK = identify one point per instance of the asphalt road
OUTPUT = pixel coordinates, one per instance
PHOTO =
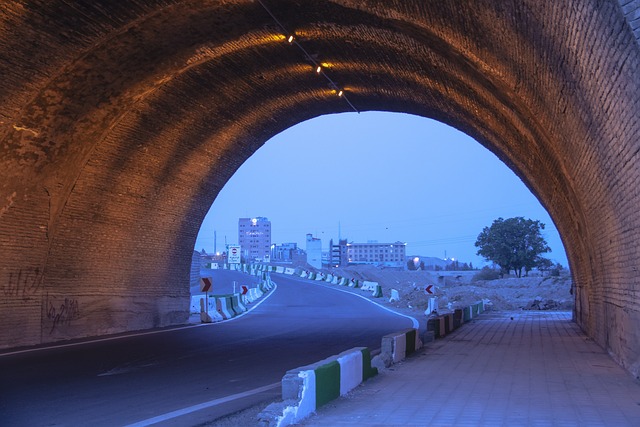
(135, 378)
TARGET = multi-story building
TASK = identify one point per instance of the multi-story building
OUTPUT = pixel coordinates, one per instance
(254, 238)
(387, 254)
(285, 252)
(338, 255)
(314, 251)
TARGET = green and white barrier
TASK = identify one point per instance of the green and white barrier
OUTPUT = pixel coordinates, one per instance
(289, 271)
(374, 287)
(307, 388)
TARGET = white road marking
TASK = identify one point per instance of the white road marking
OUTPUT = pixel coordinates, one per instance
(414, 321)
(200, 406)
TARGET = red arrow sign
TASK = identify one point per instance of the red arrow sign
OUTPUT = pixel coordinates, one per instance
(428, 289)
(244, 290)
(205, 284)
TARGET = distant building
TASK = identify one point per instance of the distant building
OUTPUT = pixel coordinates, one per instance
(386, 254)
(338, 255)
(254, 238)
(286, 252)
(314, 251)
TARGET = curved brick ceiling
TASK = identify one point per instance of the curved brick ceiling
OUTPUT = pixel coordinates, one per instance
(120, 122)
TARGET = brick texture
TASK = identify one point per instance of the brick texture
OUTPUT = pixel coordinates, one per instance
(121, 121)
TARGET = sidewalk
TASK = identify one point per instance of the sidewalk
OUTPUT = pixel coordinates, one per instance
(538, 369)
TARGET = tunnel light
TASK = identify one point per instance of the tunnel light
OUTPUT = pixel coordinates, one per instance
(285, 34)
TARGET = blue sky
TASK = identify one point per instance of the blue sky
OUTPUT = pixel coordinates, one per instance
(375, 176)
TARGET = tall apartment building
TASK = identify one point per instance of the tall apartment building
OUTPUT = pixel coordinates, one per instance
(387, 254)
(254, 238)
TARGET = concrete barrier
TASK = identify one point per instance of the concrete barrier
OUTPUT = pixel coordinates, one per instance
(448, 323)
(374, 287)
(289, 271)
(307, 388)
(237, 305)
(458, 318)
(223, 307)
(398, 345)
(436, 324)
(213, 310)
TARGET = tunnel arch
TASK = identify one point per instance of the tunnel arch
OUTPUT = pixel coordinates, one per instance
(120, 123)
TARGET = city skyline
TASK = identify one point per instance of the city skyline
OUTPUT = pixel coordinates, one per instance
(376, 176)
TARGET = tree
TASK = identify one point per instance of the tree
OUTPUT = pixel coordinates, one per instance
(513, 244)
(544, 264)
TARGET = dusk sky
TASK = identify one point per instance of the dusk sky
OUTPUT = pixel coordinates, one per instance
(375, 176)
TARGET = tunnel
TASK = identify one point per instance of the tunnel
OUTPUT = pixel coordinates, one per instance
(121, 121)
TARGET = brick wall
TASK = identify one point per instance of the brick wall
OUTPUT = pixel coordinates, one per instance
(631, 11)
(120, 122)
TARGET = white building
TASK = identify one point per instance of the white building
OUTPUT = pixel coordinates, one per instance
(387, 254)
(314, 251)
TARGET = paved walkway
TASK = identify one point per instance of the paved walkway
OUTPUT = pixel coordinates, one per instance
(538, 369)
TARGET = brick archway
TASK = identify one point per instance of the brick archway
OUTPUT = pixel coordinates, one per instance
(121, 122)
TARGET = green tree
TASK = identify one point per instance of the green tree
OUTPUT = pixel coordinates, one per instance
(513, 243)
(544, 264)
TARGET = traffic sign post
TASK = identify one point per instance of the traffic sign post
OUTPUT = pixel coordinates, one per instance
(205, 286)
(233, 254)
(433, 300)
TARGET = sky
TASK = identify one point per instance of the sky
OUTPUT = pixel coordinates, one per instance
(375, 176)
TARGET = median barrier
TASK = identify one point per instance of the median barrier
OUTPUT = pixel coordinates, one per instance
(194, 307)
(307, 388)
(212, 310)
(374, 287)
(289, 271)
(398, 345)
(304, 274)
(223, 307)
(237, 305)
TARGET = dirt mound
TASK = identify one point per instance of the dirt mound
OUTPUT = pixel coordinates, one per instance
(457, 289)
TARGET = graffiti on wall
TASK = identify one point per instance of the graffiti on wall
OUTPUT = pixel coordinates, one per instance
(60, 312)
(22, 283)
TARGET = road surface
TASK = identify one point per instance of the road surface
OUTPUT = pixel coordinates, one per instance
(135, 378)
